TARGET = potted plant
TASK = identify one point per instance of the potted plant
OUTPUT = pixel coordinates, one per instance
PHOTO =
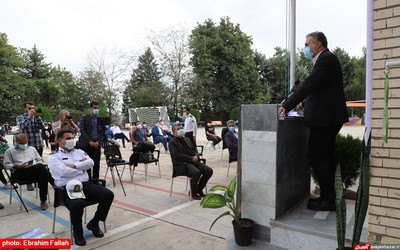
(220, 196)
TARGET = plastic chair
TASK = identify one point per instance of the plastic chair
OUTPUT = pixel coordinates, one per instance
(145, 158)
(59, 200)
(114, 159)
(175, 173)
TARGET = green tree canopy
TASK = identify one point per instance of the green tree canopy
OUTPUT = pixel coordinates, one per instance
(222, 55)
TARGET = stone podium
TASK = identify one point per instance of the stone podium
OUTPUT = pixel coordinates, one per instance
(273, 164)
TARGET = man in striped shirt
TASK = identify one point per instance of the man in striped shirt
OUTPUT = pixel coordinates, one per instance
(31, 123)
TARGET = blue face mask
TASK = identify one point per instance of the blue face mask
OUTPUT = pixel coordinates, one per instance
(307, 53)
(232, 129)
(23, 146)
(180, 132)
(95, 112)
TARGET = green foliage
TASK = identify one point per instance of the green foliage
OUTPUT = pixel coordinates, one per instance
(222, 196)
(234, 114)
(222, 56)
(340, 209)
(45, 115)
(348, 151)
(145, 88)
(36, 68)
(195, 113)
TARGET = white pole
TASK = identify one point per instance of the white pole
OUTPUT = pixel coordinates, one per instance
(292, 43)
(369, 68)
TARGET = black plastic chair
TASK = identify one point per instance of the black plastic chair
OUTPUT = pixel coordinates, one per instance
(59, 200)
(145, 158)
(17, 184)
(175, 173)
(114, 159)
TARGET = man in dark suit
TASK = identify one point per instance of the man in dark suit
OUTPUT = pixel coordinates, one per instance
(89, 140)
(324, 112)
(186, 160)
(231, 140)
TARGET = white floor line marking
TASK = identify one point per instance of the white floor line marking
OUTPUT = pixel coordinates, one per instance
(147, 219)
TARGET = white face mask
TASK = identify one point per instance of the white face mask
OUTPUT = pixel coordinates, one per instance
(69, 144)
(23, 146)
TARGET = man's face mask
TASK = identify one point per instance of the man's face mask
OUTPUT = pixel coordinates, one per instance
(180, 132)
(95, 111)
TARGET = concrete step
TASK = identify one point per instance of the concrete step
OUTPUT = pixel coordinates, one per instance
(307, 229)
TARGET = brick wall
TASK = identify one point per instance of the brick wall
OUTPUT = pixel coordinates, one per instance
(384, 203)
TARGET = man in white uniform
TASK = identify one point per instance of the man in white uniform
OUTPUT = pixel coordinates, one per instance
(190, 125)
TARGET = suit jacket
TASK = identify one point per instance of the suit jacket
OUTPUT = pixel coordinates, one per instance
(156, 132)
(232, 144)
(223, 132)
(325, 103)
(85, 128)
(181, 154)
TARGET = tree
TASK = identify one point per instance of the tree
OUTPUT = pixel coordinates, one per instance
(222, 55)
(172, 48)
(13, 86)
(145, 88)
(91, 84)
(36, 67)
(111, 66)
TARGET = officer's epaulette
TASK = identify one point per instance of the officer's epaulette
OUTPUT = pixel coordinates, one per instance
(54, 151)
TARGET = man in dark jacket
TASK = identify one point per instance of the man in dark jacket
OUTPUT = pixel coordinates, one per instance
(231, 140)
(186, 160)
(324, 112)
(90, 138)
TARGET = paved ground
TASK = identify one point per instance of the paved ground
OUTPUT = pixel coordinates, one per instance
(147, 217)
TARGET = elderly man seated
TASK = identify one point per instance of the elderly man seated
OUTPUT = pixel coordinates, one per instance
(184, 154)
(68, 163)
(231, 140)
(26, 164)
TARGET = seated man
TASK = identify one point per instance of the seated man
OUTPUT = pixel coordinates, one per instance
(26, 164)
(159, 136)
(211, 136)
(3, 148)
(110, 136)
(68, 163)
(182, 151)
(231, 140)
(138, 135)
(166, 130)
(118, 134)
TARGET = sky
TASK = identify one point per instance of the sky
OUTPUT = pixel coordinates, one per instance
(65, 31)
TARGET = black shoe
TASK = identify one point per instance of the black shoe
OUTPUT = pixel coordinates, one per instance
(94, 227)
(201, 194)
(321, 206)
(30, 187)
(195, 196)
(312, 199)
(79, 240)
(1, 206)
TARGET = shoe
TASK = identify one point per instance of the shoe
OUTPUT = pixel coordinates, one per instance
(44, 205)
(195, 196)
(201, 194)
(321, 206)
(30, 187)
(94, 227)
(79, 240)
(312, 199)
(1, 206)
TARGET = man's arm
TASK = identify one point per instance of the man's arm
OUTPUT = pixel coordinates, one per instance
(177, 155)
(229, 140)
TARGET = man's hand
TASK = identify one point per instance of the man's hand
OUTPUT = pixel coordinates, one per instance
(94, 144)
(23, 165)
(195, 159)
(71, 166)
(282, 111)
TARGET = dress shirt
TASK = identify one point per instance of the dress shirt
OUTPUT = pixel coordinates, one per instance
(115, 129)
(59, 160)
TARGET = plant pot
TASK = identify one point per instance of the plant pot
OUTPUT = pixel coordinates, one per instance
(243, 232)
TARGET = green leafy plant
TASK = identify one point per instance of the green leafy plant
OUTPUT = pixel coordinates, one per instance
(221, 196)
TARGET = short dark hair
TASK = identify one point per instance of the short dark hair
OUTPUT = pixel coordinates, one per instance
(61, 133)
(93, 104)
(319, 36)
(187, 108)
(28, 102)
